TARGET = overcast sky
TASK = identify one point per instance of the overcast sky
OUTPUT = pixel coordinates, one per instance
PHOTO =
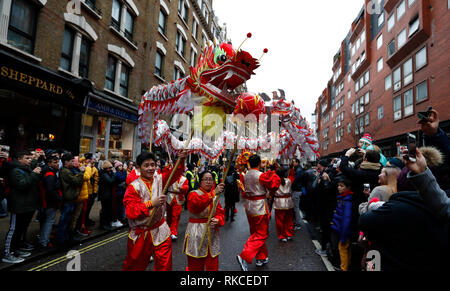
(302, 38)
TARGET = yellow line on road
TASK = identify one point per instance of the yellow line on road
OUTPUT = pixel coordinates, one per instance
(81, 251)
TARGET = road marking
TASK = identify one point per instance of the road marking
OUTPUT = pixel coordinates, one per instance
(81, 251)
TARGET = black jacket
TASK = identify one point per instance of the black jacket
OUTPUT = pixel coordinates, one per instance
(297, 184)
(231, 189)
(24, 195)
(106, 185)
(407, 234)
(53, 190)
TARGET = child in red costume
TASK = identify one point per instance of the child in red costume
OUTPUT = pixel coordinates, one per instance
(200, 203)
(175, 200)
(145, 207)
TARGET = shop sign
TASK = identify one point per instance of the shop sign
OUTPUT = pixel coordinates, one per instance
(116, 128)
(112, 111)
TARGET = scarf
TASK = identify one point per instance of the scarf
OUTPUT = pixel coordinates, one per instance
(370, 166)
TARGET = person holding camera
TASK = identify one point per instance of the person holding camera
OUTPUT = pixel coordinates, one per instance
(23, 201)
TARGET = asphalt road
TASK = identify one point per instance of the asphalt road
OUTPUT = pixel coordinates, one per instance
(108, 252)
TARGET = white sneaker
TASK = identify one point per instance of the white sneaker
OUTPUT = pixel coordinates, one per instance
(260, 263)
(114, 224)
(12, 259)
(118, 223)
(22, 254)
(242, 263)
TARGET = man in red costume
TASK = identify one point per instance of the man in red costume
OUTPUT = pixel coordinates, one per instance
(256, 186)
(175, 199)
(145, 207)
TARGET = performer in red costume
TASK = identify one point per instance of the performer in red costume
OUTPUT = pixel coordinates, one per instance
(200, 204)
(175, 199)
(283, 205)
(145, 207)
(256, 186)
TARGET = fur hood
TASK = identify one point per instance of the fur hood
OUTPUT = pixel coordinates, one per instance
(433, 156)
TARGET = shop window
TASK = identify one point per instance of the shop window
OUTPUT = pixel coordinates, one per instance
(22, 25)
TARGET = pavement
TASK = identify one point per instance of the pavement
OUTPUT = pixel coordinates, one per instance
(33, 232)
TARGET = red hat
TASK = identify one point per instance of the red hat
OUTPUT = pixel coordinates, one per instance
(367, 138)
(38, 150)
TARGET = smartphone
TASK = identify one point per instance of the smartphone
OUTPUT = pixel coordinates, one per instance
(424, 116)
(412, 144)
(367, 186)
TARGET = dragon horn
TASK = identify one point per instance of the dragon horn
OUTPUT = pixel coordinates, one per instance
(265, 51)
(249, 35)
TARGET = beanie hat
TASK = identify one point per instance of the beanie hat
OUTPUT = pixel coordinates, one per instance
(117, 164)
(107, 164)
(367, 138)
(396, 162)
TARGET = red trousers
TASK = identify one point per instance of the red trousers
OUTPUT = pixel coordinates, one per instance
(255, 247)
(173, 217)
(139, 253)
(284, 220)
(209, 264)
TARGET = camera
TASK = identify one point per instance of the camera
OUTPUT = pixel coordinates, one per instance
(367, 187)
(41, 164)
(412, 144)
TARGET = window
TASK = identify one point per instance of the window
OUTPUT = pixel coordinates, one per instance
(67, 50)
(183, 10)
(367, 77)
(162, 22)
(356, 86)
(180, 43)
(397, 108)
(391, 48)
(367, 119)
(116, 14)
(407, 72)
(380, 112)
(380, 65)
(391, 22)
(401, 39)
(129, 24)
(422, 91)
(367, 98)
(85, 52)
(349, 94)
(177, 73)
(124, 77)
(381, 19)
(361, 82)
(379, 41)
(397, 79)
(411, 2)
(71, 53)
(22, 25)
(413, 26)
(401, 10)
(388, 82)
(110, 74)
(159, 64)
(421, 58)
(358, 43)
(194, 28)
(408, 102)
(193, 57)
(353, 50)
(363, 36)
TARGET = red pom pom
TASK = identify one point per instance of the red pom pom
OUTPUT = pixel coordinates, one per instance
(266, 51)
(249, 35)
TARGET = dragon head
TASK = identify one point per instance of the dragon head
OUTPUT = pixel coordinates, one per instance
(219, 71)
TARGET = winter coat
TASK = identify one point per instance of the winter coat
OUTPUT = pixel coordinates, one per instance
(297, 184)
(71, 184)
(106, 185)
(24, 189)
(342, 216)
(86, 188)
(442, 142)
(407, 234)
(120, 182)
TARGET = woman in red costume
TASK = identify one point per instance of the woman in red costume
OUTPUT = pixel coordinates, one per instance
(199, 204)
(283, 205)
(145, 207)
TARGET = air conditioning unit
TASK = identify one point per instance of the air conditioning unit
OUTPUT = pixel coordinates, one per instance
(397, 86)
(397, 115)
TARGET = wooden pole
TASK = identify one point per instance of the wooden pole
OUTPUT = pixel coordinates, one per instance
(172, 173)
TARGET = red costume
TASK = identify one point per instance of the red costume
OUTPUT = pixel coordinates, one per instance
(175, 199)
(256, 186)
(149, 232)
(284, 216)
(134, 174)
(199, 206)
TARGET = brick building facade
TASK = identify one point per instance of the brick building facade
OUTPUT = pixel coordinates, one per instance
(392, 64)
(99, 57)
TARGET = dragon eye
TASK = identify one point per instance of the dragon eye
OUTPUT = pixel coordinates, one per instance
(223, 58)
